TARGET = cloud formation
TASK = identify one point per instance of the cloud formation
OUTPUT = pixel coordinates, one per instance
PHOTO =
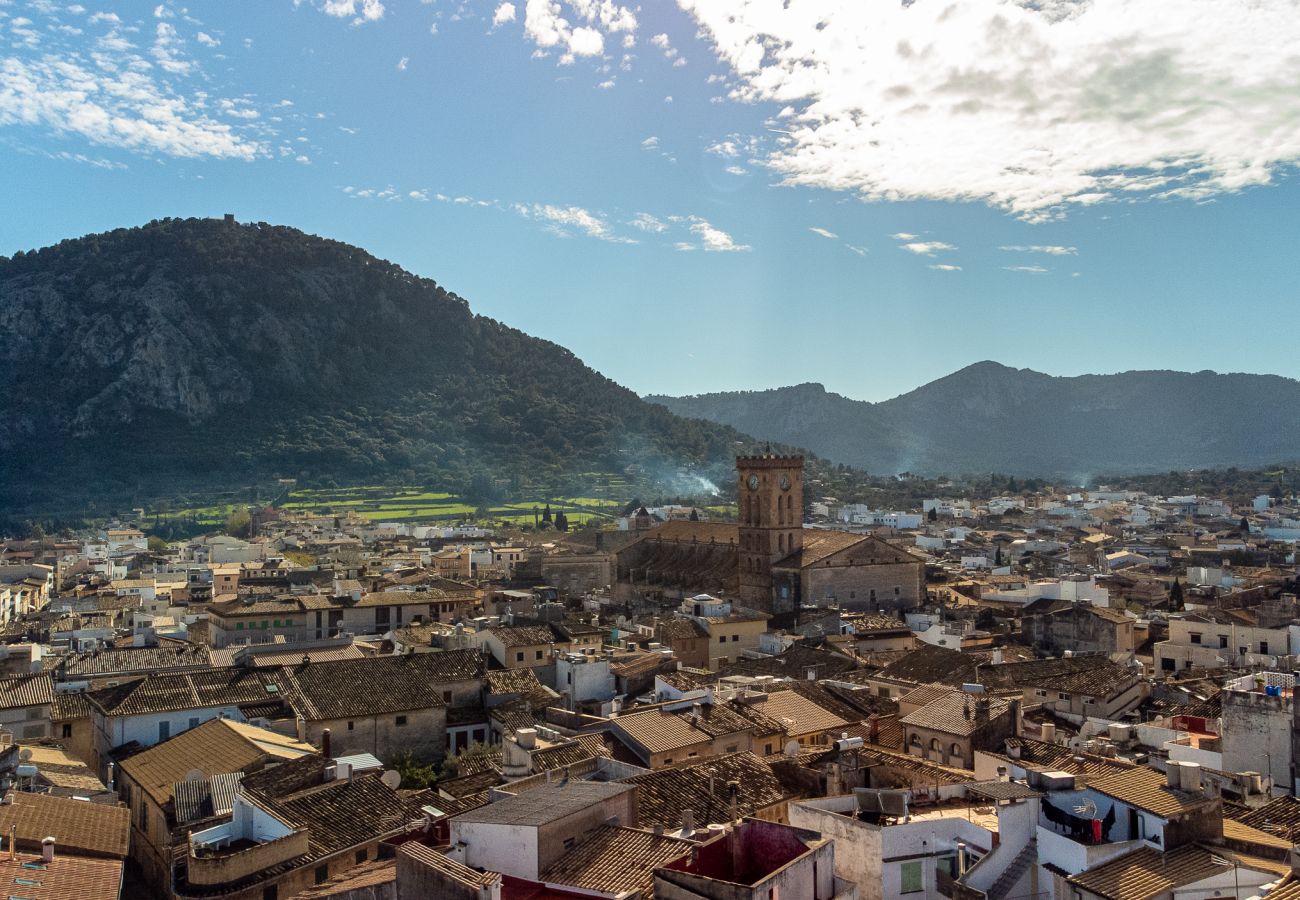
(926, 248)
(1032, 107)
(575, 27)
(1049, 249)
(114, 94)
(824, 233)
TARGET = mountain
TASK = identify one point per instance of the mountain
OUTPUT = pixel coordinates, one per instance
(202, 353)
(988, 417)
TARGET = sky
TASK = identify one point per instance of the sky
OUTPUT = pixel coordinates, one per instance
(707, 195)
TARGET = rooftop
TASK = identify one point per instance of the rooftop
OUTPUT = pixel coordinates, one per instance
(545, 804)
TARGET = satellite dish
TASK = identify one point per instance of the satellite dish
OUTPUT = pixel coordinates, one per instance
(25, 755)
(391, 779)
(195, 775)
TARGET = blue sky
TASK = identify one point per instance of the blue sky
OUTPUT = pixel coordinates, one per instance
(715, 196)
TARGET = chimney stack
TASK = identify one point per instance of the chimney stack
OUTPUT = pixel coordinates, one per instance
(47, 850)
(325, 743)
(688, 822)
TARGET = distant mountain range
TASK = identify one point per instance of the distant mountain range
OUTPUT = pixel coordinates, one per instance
(988, 417)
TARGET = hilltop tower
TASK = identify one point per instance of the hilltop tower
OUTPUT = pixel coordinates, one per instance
(769, 501)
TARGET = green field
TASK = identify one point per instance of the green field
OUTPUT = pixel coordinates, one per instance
(382, 503)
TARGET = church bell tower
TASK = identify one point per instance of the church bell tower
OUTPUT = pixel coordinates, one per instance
(769, 500)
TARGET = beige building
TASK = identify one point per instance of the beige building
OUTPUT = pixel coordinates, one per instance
(147, 783)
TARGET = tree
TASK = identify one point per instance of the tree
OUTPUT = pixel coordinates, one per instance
(156, 544)
(933, 514)
(1176, 596)
(997, 557)
(546, 513)
(239, 524)
(695, 514)
(561, 521)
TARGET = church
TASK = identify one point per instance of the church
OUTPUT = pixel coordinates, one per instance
(767, 559)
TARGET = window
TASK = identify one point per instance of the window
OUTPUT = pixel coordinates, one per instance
(736, 637)
(722, 639)
(883, 692)
(401, 721)
(322, 873)
(239, 626)
(853, 595)
(351, 726)
(1263, 647)
(361, 855)
(934, 743)
(911, 877)
(1223, 642)
(194, 721)
(271, 892)
(568, 843)
(446, 696)
(164, 730)
(519, 657)
(67, 729)
(1195, 637)
(541, 653)
(668, 760)
(732, 749)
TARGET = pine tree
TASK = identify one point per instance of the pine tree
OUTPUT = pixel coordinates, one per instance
(1176, 596)
(933, 514)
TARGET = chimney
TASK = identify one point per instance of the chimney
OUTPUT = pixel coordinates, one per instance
(688, 821)
(1048, 732)
(325, 743)
(13, 841)
(1191, 777)
(526, 738)
(733, 792)
(109, 782)
(709, 697)
(1173, 774)
(47, 850)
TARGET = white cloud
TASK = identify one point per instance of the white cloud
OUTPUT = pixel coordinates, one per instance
(650, 143)
(418, 195)
(944, 267)
(574, 28)
(565, 219)
(683, 246)
(1033, 270)
(660, 41)
(116, 101)
(860, 251)
(824, 233)
(647, 222)
(433, 29)
(714, 239)
(403, 63)
(736, 170)
(904, 236)
(606, 84)
(505, 13)
(668, 99)
(359, 11)
(926, 248)
(1050, 249)
(1031, 107)
(207, 40)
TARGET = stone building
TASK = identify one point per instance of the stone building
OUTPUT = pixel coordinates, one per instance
(767, 560)
(1056, 626)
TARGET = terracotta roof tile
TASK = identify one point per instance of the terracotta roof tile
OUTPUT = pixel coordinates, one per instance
(612, 859)
(92, 829)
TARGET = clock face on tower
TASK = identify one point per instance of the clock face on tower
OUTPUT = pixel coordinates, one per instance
(785, 482)
(753, 482)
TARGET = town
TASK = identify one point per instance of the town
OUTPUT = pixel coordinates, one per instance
(1044, 694)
